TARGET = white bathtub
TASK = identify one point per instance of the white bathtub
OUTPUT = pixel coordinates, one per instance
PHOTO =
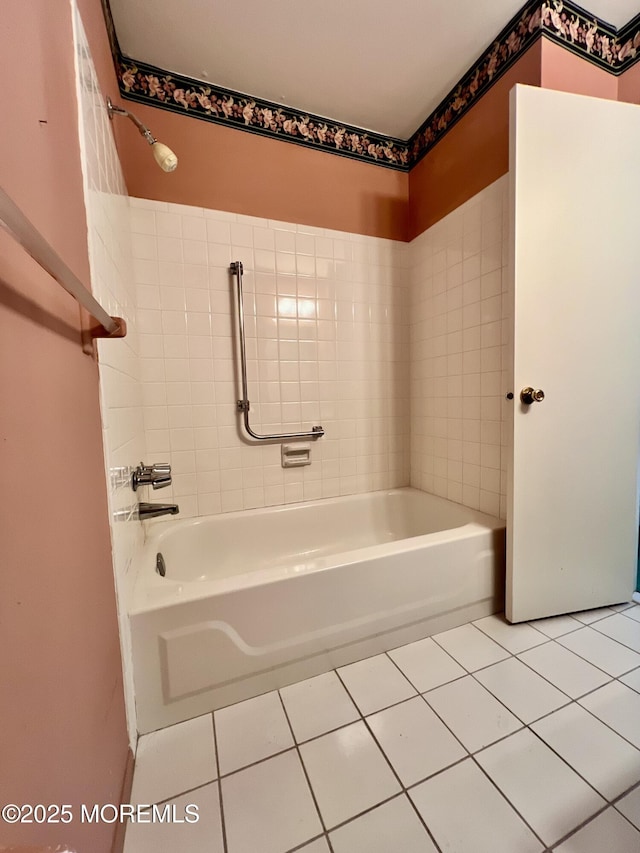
(255, 600)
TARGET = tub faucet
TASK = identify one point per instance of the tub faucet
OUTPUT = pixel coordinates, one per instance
(157, 476)
(146, 510)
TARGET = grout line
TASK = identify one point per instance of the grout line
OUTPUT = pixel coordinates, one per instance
(466, 668)
(399, 780)
(621, 796)
(564, 692)
(607, 637)
(507, 800)
(304, 770)
(310, 841)
(222, 820)
(353, 818)
(257, 761)
(185, 792)
(502, 645)
(525, 726)
(571, 767)
(610, 805)
(572, 700)
(580, 826)
(469, 754)
(604, 723)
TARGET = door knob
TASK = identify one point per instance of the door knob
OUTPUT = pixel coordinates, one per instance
(530, 395)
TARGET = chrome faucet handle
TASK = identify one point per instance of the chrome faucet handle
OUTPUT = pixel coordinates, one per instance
(160, 468)
(161, 481)
(157, 475)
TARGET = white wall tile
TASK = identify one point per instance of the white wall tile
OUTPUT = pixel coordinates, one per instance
(324, 344)
(119, 284)
(456, 356)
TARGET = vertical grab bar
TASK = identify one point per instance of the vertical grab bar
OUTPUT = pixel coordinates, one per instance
(243, 404)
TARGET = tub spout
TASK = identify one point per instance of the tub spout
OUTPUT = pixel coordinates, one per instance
(146, 510)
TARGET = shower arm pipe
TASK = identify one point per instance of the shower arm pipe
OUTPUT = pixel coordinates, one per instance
(144, 130)
(13, 220)
(236, 269)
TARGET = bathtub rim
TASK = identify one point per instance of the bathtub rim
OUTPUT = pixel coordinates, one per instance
(152, 593)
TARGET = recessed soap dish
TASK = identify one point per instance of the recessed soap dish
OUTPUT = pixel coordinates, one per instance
(296, 455)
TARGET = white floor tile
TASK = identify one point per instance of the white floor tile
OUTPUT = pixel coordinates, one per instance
(555, 626)
(426, 665)
(320, 845)
(547, 793)
(622, 629)
(630, 807)
(624, 606)
(633, 613)
(466, 814)
(601, 651)
(318, 705)
(609, 831)
(632, 679)
(375, 683)
(619, 707)
(414, 740)
(269, 807)
(470, 647)
(474, 716)
(203, 836)
(514, 638)
(250, 731)
(567, 671)
(598, 754)
(174, 760)
(393, 826)
(348, 773)
(589, 616)
(523, 691)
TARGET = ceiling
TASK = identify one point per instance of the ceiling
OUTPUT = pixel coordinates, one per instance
(379, 65)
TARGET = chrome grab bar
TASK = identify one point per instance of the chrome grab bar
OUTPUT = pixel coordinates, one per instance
(243, 404)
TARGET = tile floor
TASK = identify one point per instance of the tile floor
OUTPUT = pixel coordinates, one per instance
(489, 738)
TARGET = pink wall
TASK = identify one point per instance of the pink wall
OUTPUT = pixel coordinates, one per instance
(62, 727)
(563, 70)
(226, 169)
(629, 85)
(474, 153)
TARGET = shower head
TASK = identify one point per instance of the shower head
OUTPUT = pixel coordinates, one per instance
(163, 155)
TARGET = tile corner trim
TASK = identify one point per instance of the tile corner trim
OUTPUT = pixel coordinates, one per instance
(564, 23)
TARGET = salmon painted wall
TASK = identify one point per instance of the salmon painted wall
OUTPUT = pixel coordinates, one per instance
(629, 85)
(63, 736)
(474, 153)
(227, 169)
(566, 72)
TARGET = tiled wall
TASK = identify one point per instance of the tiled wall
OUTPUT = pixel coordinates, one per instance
(109, 241)
(327, 343)
(459, 355)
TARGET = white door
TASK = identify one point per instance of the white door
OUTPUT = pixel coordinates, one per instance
(572, 517)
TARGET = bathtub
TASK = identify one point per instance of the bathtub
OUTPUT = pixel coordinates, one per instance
(254, 600)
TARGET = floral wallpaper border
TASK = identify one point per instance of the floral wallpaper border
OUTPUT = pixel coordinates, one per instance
(562, 22)
(147, 84)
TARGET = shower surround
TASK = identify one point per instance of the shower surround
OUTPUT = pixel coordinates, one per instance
(327, 343)
(396, 349)
(460, 358)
